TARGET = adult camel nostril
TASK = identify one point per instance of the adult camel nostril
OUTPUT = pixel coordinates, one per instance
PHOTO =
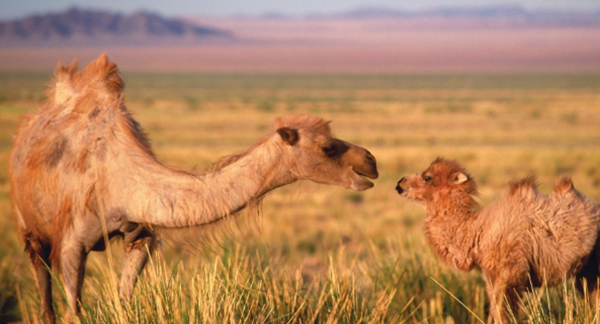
(370, 158)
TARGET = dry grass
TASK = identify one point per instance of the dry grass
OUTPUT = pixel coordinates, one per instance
(322, 253)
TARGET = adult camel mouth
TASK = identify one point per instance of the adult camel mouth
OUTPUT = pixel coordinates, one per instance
(361, 182)
(363, 168)
(371, 175)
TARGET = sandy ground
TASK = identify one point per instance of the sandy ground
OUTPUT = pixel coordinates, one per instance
(317, 45)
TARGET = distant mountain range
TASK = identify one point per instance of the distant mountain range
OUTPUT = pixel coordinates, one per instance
(76, 26)
(86, 26)
(507, 13)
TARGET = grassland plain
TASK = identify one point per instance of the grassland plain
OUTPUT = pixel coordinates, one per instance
(321, 253)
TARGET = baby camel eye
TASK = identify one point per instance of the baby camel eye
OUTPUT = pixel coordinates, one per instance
(427, 179)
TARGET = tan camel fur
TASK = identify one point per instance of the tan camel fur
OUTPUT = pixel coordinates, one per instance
(524, 239)
(82, 163)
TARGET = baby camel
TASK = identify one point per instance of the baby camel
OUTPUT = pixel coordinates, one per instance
(526, 238)
(82, 168)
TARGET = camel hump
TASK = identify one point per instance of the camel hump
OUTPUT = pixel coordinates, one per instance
(102, 73)
(523, 187)
(564, 185)
(99, 79)
(65, 83)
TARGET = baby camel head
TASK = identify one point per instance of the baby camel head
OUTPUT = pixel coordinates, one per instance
(310, 152)
(441, 179)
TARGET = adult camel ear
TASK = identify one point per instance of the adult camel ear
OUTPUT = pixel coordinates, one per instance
(459, 178)
(288, 135)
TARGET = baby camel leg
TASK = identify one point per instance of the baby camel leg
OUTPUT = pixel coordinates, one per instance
(499, 293)
(72, 261)
(136, 256)
(586, 280)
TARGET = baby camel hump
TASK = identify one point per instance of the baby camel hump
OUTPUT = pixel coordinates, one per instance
(563, 228)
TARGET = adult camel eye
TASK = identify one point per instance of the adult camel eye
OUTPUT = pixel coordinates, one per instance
(427, 179)
(330, 150)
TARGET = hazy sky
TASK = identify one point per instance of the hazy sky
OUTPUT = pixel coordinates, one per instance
(10, 9)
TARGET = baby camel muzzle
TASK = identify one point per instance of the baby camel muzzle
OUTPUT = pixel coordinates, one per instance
(399, 187)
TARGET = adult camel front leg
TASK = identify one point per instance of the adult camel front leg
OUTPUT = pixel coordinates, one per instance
(138, 245)
(72, 262)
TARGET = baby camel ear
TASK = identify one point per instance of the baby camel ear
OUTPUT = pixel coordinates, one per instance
(288, 135)
(459, 178)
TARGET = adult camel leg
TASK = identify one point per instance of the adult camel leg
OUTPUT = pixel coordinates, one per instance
(72, 262)
(39, 254)
(137, 246)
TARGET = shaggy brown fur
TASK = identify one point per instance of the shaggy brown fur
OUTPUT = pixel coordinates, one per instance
(82, 168)
(524, 239)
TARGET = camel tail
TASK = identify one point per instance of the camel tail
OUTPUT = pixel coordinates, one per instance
(102, 74)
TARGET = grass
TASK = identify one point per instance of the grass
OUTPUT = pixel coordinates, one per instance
(321, 253)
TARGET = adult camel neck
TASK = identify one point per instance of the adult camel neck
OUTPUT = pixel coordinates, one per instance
(178, 199)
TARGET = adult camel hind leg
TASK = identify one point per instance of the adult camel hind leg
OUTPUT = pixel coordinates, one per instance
(138, 245)
(39, 253)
